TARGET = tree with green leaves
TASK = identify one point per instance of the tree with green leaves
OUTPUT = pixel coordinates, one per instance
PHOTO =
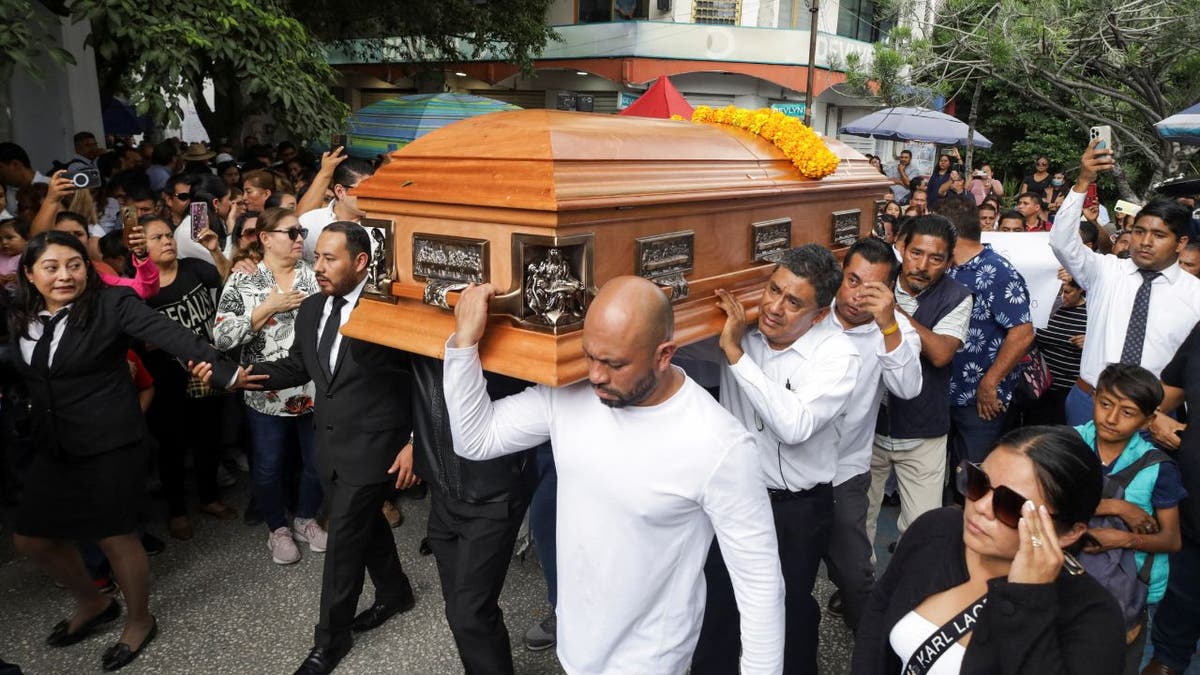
(1122, 63)
(430, 31)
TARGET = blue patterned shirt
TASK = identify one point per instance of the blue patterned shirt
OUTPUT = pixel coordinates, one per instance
(1001, 303)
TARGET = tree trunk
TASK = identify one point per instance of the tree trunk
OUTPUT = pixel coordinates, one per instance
(971, 126)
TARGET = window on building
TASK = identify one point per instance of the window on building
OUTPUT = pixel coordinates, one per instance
(795, 14)
(602, 11)
(717, 11)
(862, 20)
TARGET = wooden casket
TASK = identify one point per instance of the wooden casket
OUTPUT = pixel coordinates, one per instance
(548, 205)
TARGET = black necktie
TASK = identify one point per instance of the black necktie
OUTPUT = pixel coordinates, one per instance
(328, 334)
(1135, 335)
(41, 351)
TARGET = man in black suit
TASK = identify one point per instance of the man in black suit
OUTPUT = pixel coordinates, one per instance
(364, 434)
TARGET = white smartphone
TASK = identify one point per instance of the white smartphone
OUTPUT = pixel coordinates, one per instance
(1104, 133)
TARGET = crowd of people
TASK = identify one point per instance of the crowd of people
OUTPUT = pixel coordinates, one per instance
(1043, 475)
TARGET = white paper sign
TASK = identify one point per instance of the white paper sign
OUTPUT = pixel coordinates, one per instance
(1030, 253)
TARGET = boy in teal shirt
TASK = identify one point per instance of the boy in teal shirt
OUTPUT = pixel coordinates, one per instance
(1124, 404)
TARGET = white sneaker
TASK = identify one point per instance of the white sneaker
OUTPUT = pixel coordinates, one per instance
(308, 530)
(283, 549)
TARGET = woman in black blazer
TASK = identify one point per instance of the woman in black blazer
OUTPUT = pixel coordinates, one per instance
(71, 333)
(988, 589)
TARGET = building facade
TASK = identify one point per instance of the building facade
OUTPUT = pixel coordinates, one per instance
(748, 53)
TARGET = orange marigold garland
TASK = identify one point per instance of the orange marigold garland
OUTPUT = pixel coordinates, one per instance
(799, 143)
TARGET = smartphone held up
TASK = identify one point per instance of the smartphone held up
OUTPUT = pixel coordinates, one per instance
(198, 212)
(129, 221)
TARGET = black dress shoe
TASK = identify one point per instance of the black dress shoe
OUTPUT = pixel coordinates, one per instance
(376, 614)
(120, 655)
(152, 544)
(322, 660)
(60, 637)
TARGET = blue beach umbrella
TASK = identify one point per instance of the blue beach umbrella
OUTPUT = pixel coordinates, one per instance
(914, 124)
(1182, 127)
(393, 123)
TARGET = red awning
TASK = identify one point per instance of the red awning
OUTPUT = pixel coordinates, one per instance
(661, 100)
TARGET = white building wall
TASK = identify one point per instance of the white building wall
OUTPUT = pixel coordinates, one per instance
(46, 111)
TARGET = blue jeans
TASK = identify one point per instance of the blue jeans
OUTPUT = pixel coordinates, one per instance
(971, 436)
(1079, 407)
(1177, 619)
(274, 436)
(542, 514)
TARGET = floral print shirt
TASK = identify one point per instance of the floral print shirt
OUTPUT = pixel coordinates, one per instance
(1001, 303)
(233, 329)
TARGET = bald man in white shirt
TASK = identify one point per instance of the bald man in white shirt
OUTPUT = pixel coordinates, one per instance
(649, 467)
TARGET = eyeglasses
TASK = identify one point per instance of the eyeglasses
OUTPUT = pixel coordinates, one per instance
(183, 196)
(293, 233)
(974, 484)
(247, 234)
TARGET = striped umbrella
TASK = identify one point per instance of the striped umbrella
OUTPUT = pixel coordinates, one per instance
(1182, 127)
(392, 123)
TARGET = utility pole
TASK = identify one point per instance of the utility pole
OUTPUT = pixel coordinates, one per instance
(812, 57)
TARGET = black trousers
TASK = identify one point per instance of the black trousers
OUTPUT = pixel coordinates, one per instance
(473, 544)
(803, 521)
(848, 558)
(360, 541)
(180, 423)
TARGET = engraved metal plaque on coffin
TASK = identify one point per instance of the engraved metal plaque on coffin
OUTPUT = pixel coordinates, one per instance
(665, 259)
(770, 239)
(556, 281)
(845, 227)
(450, 258)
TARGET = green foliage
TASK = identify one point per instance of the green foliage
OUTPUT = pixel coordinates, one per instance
(1056, 67)
(25, 35)
(430, 30)
(258, 57)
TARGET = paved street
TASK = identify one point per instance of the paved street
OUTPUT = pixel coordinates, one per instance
(224, 608)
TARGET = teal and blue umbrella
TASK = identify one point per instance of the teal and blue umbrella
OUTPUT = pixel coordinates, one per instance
(392, 123)
(1182, 127)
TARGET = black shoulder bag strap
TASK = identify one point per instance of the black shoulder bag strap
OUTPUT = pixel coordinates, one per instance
(950, 633)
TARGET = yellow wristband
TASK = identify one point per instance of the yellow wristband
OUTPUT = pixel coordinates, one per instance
(891, 329)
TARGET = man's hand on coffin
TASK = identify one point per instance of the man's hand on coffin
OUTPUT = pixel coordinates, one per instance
(735, 325)
(471, 314)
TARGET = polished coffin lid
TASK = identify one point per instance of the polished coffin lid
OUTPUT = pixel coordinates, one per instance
(555, 173)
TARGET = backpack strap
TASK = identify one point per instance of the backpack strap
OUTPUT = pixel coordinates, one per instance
(1125, 476)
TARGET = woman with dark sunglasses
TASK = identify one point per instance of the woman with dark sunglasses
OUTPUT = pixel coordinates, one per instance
(257, 312)
(990, 589)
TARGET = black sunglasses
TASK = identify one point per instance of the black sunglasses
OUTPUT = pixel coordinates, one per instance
(183, 196)
(293, 233)
(974, 484)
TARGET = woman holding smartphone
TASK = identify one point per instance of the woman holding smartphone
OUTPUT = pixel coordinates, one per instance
(257, 312)
(989, 589)
(71, 334)
(185, 416)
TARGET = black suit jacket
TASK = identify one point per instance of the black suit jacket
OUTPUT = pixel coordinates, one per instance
(362, 416)
(87, 404)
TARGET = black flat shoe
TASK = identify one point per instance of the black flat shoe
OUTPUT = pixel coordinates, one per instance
(60, 637)
(120, 655)
(375, 615)
(322, 660)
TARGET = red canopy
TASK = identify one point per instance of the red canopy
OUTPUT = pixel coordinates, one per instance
(662, 100)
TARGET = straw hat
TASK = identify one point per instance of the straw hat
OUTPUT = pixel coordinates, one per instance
(196, 152)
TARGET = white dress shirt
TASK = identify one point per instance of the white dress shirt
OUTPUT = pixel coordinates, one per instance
(642, 490)
(37, 329)
(315, 222)
(898, 370)
(789, 399)
(1112, 284)
(326, 308)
